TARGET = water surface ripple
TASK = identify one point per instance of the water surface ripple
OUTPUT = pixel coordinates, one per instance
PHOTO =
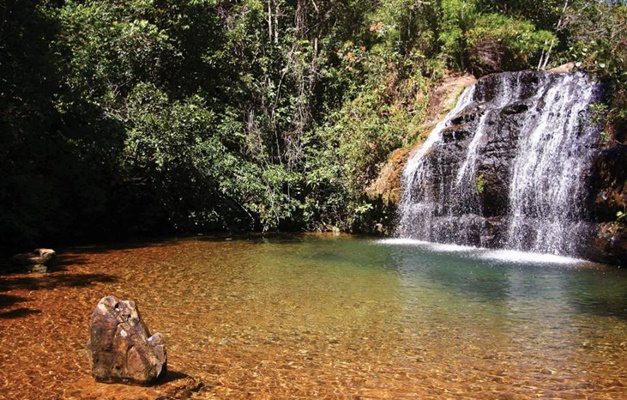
(309, 316)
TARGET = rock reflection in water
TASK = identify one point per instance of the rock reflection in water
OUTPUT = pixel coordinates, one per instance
(324, 317)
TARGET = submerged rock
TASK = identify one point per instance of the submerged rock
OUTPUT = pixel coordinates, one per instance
(39, 260)
(120, 346)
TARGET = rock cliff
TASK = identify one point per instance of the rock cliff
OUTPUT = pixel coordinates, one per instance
(520, 163)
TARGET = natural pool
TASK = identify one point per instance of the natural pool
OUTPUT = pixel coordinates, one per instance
(311, 316)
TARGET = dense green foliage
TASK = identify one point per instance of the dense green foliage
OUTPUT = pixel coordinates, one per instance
(151, 116)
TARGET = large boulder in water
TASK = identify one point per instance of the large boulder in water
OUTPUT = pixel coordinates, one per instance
(120, 346)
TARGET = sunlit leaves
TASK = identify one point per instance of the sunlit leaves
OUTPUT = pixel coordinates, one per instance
(255, 114)
(497, 42)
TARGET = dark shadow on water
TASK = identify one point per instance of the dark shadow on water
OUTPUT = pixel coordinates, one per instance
(18, 313)
(47, 281)
(171, 376)
(181, 385)
(7, 300)
(61, 263)
(51, 281)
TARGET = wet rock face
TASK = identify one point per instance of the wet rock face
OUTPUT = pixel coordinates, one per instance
(608, 244)
(607, 200)
(520, 163)
(608, 183)
(120, 346)
(473, 208)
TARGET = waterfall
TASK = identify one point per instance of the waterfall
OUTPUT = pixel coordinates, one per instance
(507, 167)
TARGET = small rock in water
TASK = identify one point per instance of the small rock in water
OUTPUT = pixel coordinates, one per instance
(120, 346)
(39, 268)
(36, 261)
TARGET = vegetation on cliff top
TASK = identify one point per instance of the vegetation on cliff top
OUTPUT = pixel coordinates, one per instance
(150, 116)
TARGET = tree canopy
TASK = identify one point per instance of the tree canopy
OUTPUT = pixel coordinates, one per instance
(150, 116)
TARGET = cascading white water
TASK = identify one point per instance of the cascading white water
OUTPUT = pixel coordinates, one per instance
(417, 172)
(546, 193)
(506, 167)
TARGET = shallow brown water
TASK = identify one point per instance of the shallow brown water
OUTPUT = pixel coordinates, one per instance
(325, 317)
